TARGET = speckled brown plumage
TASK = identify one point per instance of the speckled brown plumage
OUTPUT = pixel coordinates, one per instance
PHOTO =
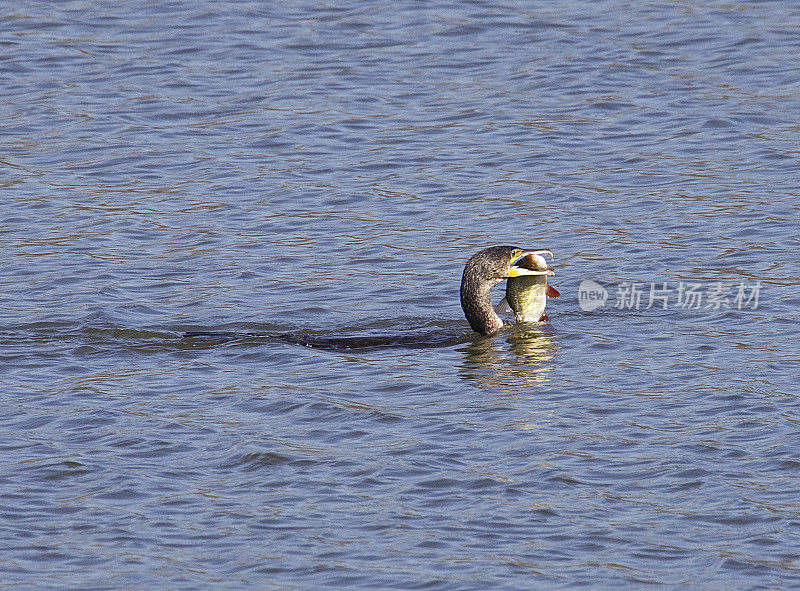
(483, 271)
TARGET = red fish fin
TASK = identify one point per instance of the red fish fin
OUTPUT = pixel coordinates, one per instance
(552, 292)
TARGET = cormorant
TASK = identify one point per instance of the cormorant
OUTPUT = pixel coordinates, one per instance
(483, 271)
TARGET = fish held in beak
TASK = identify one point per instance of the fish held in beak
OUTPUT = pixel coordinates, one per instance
(527, 289)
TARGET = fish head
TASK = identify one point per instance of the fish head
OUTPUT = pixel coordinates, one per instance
(529, 262)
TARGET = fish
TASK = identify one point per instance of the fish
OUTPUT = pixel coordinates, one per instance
(527, 295)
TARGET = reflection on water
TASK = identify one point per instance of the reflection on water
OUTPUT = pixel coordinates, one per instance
(489, 364)
(532, 343)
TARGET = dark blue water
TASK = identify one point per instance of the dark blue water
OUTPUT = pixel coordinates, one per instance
(324, 171)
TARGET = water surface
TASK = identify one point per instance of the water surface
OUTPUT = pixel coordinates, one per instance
(284, 168)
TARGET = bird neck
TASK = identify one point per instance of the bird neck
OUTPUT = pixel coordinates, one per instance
(477, 305)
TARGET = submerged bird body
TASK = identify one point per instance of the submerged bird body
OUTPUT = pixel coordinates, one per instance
(527, 294)
(483, 271)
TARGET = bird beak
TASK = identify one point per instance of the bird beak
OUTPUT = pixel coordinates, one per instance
(516, 270)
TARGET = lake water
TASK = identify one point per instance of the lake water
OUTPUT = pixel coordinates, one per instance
(324, 170)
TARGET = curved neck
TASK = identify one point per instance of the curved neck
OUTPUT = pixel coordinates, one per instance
(477, 305)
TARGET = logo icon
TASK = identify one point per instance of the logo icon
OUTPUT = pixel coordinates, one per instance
(591, 295)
